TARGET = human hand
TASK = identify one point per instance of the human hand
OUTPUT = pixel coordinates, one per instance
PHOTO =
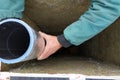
(52, 45)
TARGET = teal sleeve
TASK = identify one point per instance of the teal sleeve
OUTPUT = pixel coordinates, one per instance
(11, 8)
(99, 16)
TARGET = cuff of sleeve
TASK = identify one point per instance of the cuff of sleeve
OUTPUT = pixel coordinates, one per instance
(65, 43)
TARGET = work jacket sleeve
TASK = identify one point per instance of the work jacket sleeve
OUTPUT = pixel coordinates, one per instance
(99, 16)
(11, 8)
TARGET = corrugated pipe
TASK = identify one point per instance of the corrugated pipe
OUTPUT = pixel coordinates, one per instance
(18, 41)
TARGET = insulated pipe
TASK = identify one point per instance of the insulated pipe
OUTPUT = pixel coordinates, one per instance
(18, 41)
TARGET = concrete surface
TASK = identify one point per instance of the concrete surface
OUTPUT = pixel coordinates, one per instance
(53, 16)
(68, 64)
(106, 45)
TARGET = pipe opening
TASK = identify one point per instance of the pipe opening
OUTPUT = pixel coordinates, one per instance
(14, 40)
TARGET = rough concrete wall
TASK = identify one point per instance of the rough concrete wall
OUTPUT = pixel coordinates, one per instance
(106, 45)
(52, 16)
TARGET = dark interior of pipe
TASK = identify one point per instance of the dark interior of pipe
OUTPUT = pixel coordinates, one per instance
(14, 40)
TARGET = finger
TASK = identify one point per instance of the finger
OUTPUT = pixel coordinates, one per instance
(43, 55)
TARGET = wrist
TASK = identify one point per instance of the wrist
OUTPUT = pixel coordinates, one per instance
(63, 41)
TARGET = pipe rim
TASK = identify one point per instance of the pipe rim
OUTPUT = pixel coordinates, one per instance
(30, 46)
